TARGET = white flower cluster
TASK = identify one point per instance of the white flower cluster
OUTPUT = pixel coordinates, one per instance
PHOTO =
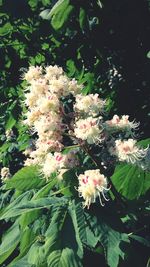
(121, 123)
(90, 104)
(55, 163)
(127, 150)
(87, 124)
(89, 130)
(92, 184)
(45, 88)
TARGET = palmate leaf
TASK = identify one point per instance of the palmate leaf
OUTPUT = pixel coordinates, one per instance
(9, 242)
(25, 179)
(64, 248)
(60, 248)
(109, 238)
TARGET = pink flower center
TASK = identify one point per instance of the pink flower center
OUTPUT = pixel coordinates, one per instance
(59, 158)
(95, 182)
(127, 149)
(85, 180)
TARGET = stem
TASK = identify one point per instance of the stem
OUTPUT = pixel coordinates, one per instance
(74, 146)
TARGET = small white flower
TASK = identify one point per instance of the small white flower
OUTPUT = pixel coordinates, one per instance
(39, 86)
(53, 72)
(9, 134)
(50, 166)
(74, 87)
(30, 99)
(59, 86)
(51, 122)
(32, 73)
(32, 116)
(48, 103)
(127, 150)
(90, 104)
(57, 162)
(92, 184)
(121, 123)
(89, 130)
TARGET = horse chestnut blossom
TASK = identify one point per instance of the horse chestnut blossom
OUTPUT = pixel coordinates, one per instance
(59, 115)
(121, 123)
(55, 163)
(53, 72)
(92, 184)
(127, 150)
(5, 173)
(90, 105)
(89, 130)
(33, 73)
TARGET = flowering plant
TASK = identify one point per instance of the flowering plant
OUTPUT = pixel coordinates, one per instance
(82, 122)
(68, 175)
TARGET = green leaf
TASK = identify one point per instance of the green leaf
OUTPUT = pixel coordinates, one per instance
(10, 122)
(44, 191)
(31, 206)
(82, 19)
(144, 143)
(71, 67)
(60, 247)
(68, 183)
(131, 181)
(19, 200)
(29, 217)
(5, 255)
(27, 238)
(148, 54)
(25, 179)
(63, 258)
(45, 14)
(88, 79)
(6, 29)
(76, 213)
(62, 242)
(23, 262)
(33, 3)
(59, 14)
(109, 238)
(9, 241)
(141, 240)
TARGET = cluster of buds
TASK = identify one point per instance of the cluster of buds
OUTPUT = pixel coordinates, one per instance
(83, 124)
